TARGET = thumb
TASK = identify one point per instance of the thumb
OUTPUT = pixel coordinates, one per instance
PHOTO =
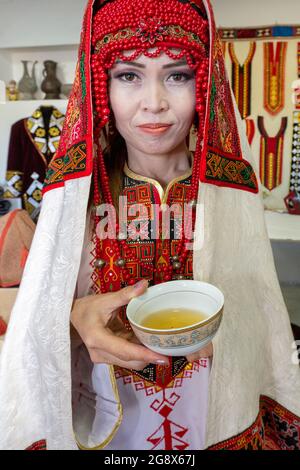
(123, 296)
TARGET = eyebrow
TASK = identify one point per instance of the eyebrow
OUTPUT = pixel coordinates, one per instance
(142, 66)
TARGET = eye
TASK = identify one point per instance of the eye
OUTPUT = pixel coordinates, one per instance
(180, 77)
(127, 76)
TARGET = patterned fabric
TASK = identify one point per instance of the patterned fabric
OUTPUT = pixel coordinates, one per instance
(260, 33)
(271, 154)
(295, 165)
(45, 136)
(150, 246)
(33, 142)
(274, 76)
(241, 79)
(77, 132)
(275, 428)
(224, 165)
(39, 445)
(222, 168)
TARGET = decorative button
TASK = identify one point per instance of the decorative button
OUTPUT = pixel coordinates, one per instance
(176, 265)
(121, 262)
(99, 263)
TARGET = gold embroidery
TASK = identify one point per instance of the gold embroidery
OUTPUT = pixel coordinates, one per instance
(162, 194)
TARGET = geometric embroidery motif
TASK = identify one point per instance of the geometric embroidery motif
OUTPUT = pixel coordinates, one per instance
(233, 171)
(295, 163)
(274, 76)
(241, 79)
(13, 184)
(271, 154)
(73, 162)
(275, 428)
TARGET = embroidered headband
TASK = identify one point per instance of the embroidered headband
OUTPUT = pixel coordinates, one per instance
(123, 24)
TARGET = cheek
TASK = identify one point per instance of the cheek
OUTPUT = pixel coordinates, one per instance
(185, 101)
(121, 106)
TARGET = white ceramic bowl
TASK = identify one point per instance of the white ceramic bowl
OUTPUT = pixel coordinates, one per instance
(189, 294)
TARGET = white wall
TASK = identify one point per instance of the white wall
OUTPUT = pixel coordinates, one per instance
(243, 13)
(28, 23)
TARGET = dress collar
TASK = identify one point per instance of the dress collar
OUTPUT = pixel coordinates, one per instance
(161, 191)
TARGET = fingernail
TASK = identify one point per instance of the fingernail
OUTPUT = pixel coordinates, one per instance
(161, 362)
(140, 284)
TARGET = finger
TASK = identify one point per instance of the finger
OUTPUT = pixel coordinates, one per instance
(114, 300)
(99, 357)
(207, 351)
(124, 350)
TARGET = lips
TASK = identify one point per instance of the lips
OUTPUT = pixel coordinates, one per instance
(154, 129)
(154, 126)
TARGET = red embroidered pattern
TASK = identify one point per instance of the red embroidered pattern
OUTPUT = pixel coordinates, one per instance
(153, 250)
(275, 428)
(39, 445)
(274, 76)
(271, 154)
(241, 79)
(150, 389)
(169, 435)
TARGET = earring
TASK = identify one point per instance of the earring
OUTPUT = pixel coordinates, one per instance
(112, 127)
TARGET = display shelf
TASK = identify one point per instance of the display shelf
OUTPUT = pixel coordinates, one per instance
(11, 67)
(283, 226)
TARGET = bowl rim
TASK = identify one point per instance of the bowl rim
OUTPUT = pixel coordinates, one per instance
(184, 329)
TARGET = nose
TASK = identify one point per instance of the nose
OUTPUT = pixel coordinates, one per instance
(154, 98)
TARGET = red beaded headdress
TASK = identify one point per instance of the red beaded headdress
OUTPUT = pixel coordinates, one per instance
(112, 26)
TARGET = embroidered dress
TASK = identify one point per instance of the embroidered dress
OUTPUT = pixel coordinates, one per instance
(254, 382)
(156, 399)
(33, 142)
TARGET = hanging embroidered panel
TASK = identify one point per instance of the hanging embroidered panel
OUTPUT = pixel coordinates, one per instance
(274, 76)
(271, 154)
(266, 91)
(292, 200)
(241, 79)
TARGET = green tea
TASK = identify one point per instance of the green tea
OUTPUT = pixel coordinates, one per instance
(171, 318)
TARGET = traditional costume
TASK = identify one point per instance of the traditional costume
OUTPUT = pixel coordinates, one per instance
(33, 142)
(248, 396)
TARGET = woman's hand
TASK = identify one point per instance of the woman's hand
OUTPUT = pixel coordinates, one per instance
(207, 351)
(95, 319)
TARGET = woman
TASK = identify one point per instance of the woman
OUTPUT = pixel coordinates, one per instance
(251, 371)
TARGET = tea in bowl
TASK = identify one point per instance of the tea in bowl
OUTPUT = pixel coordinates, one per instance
(176, 318)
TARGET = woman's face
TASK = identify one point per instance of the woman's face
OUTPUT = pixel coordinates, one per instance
(150, 92)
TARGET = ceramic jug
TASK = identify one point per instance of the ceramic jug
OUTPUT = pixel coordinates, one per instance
(27, 85)
(51, 86)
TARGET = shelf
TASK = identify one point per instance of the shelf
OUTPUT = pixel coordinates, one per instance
(22, 103)
(283, 226)
(11, 67)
